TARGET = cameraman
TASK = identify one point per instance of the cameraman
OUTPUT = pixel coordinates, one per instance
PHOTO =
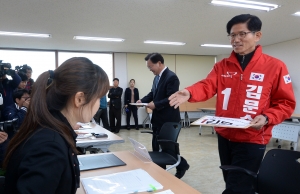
(28, 71)
(8, 87)
(19, 109)
(24, 80)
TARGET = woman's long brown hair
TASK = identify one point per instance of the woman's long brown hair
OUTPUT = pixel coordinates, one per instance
(74, 75)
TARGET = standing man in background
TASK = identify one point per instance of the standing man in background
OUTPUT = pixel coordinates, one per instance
(249, 85)
(28, 71)
(115, 105)
(102, 113)
(164, 85)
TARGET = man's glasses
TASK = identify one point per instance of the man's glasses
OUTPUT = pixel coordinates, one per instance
(240, 35)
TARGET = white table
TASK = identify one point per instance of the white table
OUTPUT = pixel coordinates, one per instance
(165, 178)
(289, 131)
(101, 143)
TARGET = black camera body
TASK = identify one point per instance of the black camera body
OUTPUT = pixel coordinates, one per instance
(5, 69)
(9, 126)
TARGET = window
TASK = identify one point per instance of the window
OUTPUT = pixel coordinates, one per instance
(39, 61)
(105, 61)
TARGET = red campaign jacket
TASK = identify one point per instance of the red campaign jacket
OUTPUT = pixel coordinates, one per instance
(264, 87)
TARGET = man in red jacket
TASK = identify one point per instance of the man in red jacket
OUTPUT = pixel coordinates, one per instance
(249, 85)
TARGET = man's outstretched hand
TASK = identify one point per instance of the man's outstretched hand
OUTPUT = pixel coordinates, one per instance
(179, 97)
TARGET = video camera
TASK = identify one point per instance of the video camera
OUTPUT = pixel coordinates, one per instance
(9, 126)
(21, 68)
(5, 68)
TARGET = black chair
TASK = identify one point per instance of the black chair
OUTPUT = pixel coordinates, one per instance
(278, 173)
(169, 148)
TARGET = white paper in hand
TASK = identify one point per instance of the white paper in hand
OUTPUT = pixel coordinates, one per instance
(139, 104)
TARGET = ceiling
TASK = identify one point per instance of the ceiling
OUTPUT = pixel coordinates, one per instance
(194, 22)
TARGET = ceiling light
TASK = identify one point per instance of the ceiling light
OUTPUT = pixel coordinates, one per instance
(297, 13)
(98, 38)
(163, 42)
(25, 34)
(217, 45)
(246, 4)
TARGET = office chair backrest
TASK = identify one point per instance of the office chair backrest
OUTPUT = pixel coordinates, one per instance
(170, 147)
(279, 172)
(169, 131)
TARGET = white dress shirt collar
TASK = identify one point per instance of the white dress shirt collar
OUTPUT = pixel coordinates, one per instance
(162, 72)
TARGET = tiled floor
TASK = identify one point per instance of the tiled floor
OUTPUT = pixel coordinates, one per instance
(201, 153)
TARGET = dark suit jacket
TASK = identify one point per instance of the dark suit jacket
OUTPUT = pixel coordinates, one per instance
(127, 96)
(163, 112)
(44, 163)
(11, 112)
(115, 95)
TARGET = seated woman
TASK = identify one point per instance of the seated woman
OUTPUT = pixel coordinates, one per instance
(42, 156)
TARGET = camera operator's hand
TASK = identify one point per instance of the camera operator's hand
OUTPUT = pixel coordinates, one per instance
(3, 136)
(26, 102)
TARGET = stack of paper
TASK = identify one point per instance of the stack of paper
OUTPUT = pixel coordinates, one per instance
(84, 125)
(132, 181)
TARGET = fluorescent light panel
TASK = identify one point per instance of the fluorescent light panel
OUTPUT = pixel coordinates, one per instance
(98, 38)
(217, 45)
(25, 34)
(297, 13)
(246, 4)
(163, 42)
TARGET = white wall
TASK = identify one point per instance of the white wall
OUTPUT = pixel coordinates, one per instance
(220, 57)
(120, 71)
(289, 53)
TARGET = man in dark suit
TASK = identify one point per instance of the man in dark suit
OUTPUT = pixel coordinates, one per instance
(115, 105)
(164, 85)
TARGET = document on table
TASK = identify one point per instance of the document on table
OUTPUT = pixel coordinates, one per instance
(84, 125)
(132, 181)
(222, 122)
(139, 104)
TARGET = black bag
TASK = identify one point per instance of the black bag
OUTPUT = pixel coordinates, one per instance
(97, 115)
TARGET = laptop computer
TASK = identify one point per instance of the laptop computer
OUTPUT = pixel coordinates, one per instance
(96, 161)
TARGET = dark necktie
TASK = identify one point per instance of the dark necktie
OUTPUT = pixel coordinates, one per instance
(156, 81)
